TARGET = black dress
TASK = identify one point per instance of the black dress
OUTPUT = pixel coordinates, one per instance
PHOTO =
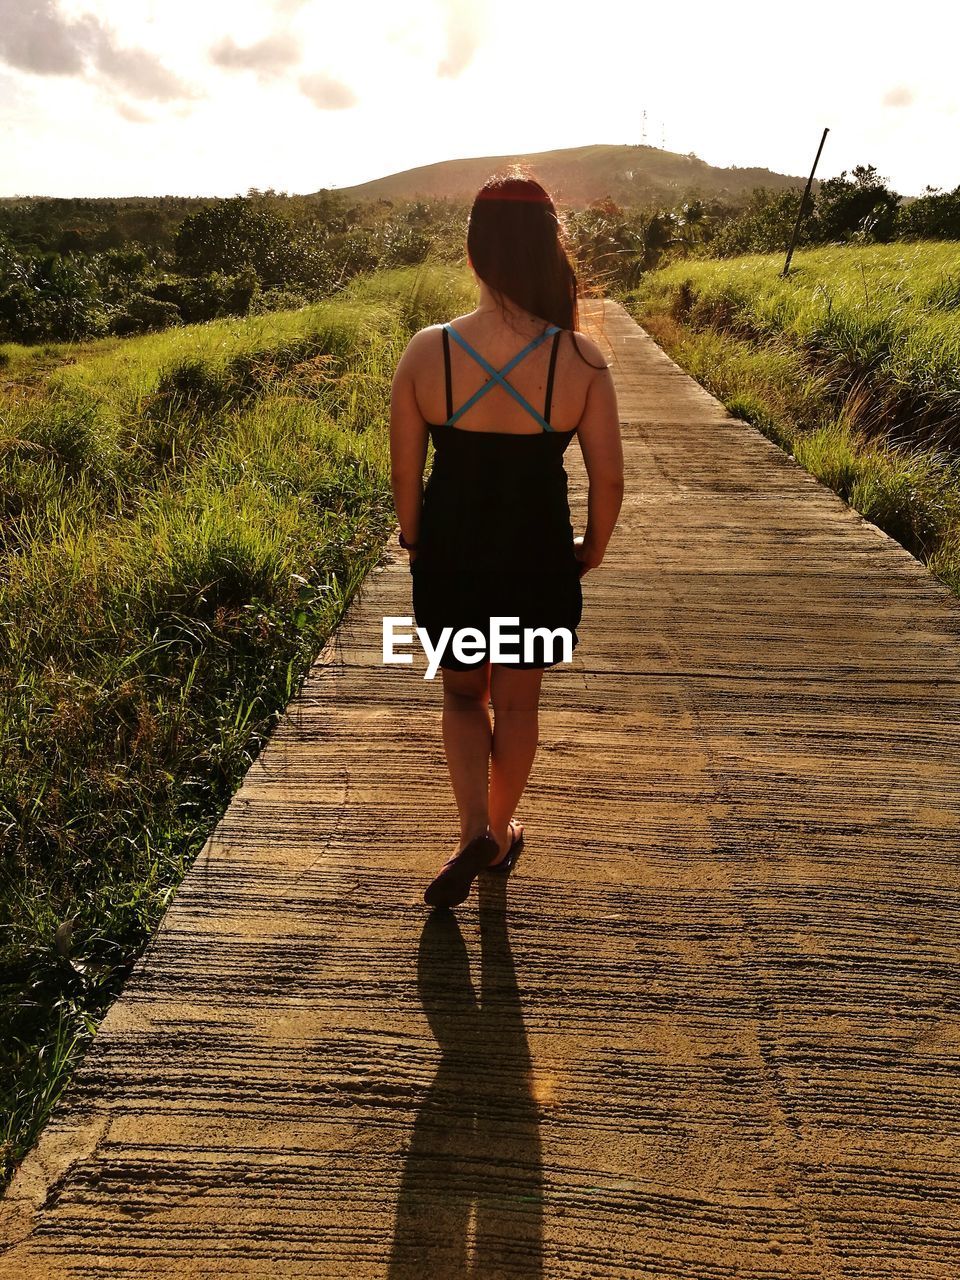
(495, 534)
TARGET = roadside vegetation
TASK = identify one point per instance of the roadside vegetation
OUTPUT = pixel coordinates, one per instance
(852, 364)
(183, 519)
(72, 270)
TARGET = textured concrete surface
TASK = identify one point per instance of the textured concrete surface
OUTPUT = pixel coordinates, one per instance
(708, 1029)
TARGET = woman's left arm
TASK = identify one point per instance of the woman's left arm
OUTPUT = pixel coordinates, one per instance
(408, 443)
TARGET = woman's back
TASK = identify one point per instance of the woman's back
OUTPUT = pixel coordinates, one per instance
(498, 342)
(496, 498)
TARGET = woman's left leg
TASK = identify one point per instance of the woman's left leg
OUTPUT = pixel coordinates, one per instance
(467, 741)
(516, 731)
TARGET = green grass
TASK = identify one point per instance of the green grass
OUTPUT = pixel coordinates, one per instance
(879, 320)
(184, 518)
(852, 365)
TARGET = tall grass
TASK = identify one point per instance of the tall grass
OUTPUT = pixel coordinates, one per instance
(184, 518)
(878, 321)
(852, 364)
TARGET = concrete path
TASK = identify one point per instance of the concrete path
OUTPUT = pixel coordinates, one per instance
(710, 1027)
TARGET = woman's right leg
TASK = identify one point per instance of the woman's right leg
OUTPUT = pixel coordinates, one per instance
(516, 698)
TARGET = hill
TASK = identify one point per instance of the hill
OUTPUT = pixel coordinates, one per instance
(579, 175)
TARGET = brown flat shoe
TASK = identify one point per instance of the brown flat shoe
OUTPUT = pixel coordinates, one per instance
(452, 884)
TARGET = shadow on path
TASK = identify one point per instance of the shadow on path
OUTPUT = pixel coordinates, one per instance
(471, 1193)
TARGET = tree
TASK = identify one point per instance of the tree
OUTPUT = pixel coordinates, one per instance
(230, 236)
(764, 226)
(862, 203)
(933, 216)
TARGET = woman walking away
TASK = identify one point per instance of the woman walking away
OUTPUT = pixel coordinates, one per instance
(490, 534)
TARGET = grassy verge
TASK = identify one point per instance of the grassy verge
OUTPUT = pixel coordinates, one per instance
(183, 519)
(857, 386)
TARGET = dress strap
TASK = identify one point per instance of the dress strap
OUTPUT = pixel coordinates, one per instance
(553, 363)
(497, 375)
(446, 367)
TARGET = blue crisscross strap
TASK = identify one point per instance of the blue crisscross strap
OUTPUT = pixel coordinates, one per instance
(498, 375)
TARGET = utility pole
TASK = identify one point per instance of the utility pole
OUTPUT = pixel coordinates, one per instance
(643, 135)
(803, 205)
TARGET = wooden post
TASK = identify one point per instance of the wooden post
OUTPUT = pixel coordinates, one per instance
(803, 205)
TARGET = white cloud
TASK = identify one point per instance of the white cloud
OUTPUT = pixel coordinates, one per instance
(132, 114)
(900, 96)
(328, 93)
(464, 32)
(36, 37)
(268, 57)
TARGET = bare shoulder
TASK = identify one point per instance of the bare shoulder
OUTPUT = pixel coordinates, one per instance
(422, 342)
(424, 338)
(589, 350)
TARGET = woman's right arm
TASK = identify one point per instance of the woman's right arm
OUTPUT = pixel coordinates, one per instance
(599, 435)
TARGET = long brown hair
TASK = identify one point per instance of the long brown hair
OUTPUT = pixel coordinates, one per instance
(516, 245)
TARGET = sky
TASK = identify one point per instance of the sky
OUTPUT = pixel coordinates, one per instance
(213, 97)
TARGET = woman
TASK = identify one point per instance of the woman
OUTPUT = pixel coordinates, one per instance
(490, 535)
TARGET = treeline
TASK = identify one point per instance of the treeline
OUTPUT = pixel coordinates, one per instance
(77, 269)
(860, 206)
(624, 244)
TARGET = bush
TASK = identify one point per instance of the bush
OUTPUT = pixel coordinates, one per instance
(225, 236)
(191, 385)
(765, 226)
(277, 300)
(143, 314)
(212, 296)
(862, 204)
(934, 216)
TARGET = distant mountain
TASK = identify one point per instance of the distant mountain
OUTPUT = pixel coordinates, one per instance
(579, 175)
